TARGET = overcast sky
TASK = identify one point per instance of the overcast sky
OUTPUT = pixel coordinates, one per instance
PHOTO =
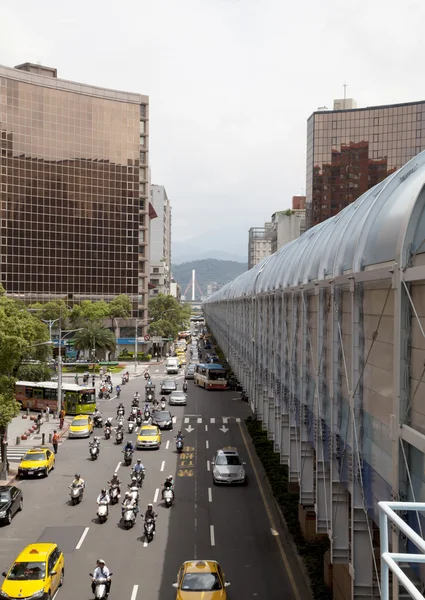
(231, 84)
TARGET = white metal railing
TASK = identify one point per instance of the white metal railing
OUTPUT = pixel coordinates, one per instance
(390, 560)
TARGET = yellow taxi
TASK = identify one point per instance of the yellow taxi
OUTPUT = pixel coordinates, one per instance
(37, 572)
(182, 359)
(149, 437)
(37, 461)
(81, 426)
(198, 579)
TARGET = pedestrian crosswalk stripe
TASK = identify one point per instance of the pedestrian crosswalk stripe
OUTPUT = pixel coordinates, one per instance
(212, 420)
(199, 420)
(15, 453)
(186, 420)
(225, 420)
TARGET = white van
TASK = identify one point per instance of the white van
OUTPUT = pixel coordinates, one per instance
(172, 365)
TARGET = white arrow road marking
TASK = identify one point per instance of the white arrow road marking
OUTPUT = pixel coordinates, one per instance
(155, 498)
(212, 535)
(206, 427)
(162, 465)
(209, 495)
(224, 429)
(118, 466)
(238, 420)
(134, 592)
(186, 420)
(274, 532)
(200, 420)
(189, 429)
(212, 420)
(82, 538)
(225, 420)
(208, 465)
(207, 445)
(167, 445)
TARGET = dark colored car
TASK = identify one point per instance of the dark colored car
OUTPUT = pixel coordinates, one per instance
(207, 346)
(168, 386)
(11, 501)
(163, 419)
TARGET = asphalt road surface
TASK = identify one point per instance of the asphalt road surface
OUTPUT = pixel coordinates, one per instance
(234, 525)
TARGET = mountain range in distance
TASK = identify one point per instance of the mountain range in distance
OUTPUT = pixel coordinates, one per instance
(232, 246)
(210, 273)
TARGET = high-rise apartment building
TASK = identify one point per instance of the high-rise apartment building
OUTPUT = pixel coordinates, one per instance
(259, 244)
(73, 189)
(350, 150)
(160, 242)
(287, 225)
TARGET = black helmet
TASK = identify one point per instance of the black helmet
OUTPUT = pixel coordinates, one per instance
(103, 491)
(77, 476)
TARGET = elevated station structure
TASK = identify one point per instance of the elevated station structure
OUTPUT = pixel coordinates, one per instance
(327, 337)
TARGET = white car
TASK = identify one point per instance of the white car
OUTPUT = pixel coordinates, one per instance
(177, 398)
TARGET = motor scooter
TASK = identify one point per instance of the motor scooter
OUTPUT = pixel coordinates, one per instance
(100, 587)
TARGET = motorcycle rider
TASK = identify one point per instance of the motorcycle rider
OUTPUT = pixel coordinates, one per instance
(185, 386)
(128, 503)
(78, 481)
(179, 436)
(168, 485)
(150, 514)
(129, 446)
(101, 571)
(104, 498)
(115, 481)
(95, 442)
(118, 388)
(120, 407)
(97, 416)
(138, 467)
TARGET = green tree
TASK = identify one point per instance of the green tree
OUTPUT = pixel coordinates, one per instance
(96, 336)
(22, 337)
(168, 316)
(34, 372)
(88, 312)
(120, 307)
(50, 311)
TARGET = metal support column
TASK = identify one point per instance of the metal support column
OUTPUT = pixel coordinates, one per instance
(294, 435)
(307, 453)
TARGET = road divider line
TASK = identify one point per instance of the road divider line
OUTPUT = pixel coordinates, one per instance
(162, 465)
(186, 420)
(212, 535)
(82, 538)
(134, 592)
(199, 419)
(117, 467)
(155, 498)
(207, 445)
(206, 427)
(208, 465)
(209, 495)
(271, 520)
(167, 445)
(212, 420)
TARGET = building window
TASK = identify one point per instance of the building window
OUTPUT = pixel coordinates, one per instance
(129, 217)
(142, 141)
(418, 116)
(130, 201)
(375, 121)
(142, 157)
(129, 249)
(142, 204)
(156, 270)
(129, 233)
(375, 137)
(142, 127)
(334, 124)
(418, 133)
(141, 188)
(334, 139)
(129, 281)
(143, 111)
(129, 265)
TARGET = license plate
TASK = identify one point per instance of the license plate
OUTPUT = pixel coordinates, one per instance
(30, 472)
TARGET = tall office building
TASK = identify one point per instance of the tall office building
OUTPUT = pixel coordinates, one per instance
(73, 189)
(349, 150)
(259, 243)
(160, 242)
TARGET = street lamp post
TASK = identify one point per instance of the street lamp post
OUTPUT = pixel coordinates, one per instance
(62, 337)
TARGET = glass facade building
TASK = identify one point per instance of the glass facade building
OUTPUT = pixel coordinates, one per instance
(73, 189)
(350, 151)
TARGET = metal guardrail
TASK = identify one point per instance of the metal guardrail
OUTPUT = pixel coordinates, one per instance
(391, 560)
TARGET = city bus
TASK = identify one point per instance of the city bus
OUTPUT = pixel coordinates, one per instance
(77, 399)
(210, 377)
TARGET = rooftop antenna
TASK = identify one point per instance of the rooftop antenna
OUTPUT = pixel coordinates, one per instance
(345, 93)
(322, 108)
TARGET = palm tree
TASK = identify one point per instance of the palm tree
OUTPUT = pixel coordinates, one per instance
(95, 336)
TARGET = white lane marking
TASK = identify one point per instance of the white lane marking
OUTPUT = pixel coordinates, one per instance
(155, 498)
(174, 419)
(212, 420)
(136, 431)
(206, 427)
(274, 532)
(186, 420)
(117, 467)
(212, 535)
(134, 592)
(82, 538)
(167, 445)
(225, 420)
(162, 465)
(208, 465)
(209, 495)
(207, 444)
(238, 420)
(200, 420)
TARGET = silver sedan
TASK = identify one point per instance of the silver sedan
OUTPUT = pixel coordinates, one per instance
(177, 398)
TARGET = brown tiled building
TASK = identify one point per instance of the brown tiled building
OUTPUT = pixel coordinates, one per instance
(73, 189)
(351, 150)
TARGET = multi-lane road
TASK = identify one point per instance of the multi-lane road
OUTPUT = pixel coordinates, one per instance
(237, 526)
